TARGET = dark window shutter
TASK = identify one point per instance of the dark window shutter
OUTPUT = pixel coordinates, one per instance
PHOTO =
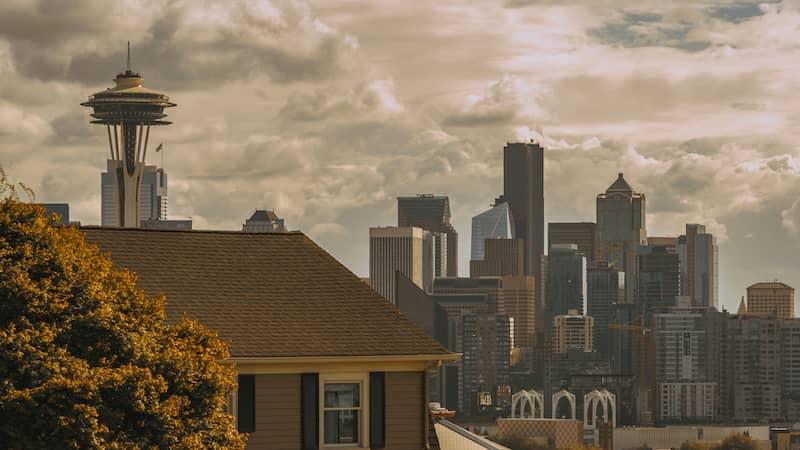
(309, 410)
(377, 410)
(246, 409)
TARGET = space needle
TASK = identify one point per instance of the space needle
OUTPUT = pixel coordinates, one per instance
(128, 110)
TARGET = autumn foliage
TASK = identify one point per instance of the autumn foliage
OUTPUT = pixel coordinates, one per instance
(86, 360)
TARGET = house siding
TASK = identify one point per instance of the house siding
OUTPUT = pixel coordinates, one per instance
(277, 413)
(405, 410)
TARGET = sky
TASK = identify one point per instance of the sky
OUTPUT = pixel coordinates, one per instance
(327, 111)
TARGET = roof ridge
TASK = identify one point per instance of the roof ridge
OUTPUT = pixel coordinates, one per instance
(155, 230)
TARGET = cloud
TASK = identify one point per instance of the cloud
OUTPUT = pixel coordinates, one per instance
(508, 100)
(372, 98)
(205, 42)
(790, 219)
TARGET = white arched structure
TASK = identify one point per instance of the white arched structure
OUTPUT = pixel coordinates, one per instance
(530, 398)
(593, 400)
(570, 398)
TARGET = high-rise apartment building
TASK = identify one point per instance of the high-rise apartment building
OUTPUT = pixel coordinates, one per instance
(605, 290)
(501, 257)
(750, 368)
(523, 189)
(566, 280)
(771, 298)
(494, 223)
(658, 280)
(264, 221)
(573, 331)
(432, 213)
(790, 372)
(487, 355)
(622, 228)
(408, 250)
(701, 265)
(582, 234)
(152, 195)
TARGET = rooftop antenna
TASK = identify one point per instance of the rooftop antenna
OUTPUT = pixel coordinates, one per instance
(128, 67)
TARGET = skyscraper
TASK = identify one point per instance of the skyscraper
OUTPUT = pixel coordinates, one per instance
(621, 225)
(701, 262)
(152, 198)
(582, 234)
(408, 250)
(771, 298)
(606, 289)
(264, 221)
(523, 189)
(432, 213)
(658, 280)
(566, 280)
(494, 223)
(127, 110)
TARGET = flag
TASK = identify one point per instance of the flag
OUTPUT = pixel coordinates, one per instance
(160, 146)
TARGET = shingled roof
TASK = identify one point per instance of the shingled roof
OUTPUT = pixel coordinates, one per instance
(266, 294)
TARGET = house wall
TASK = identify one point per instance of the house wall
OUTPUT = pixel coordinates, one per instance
(278, 411)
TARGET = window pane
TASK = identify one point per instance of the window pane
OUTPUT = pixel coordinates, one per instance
(341, 427)
(342, 395)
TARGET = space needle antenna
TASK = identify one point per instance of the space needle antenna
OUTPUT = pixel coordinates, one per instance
(129, 56)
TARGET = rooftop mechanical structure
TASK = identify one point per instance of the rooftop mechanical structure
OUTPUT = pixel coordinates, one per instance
(128, 110)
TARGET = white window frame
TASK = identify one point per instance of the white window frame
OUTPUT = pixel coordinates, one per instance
(363, 426)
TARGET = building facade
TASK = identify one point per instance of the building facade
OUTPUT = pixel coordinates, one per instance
(771, 298)
(701, 266)
(658, 280)
(432, 213)
(605, 290)
(566, 280)
(494, 223)
(582, 234)
(501, 257)
(408, 250)
(573, 331)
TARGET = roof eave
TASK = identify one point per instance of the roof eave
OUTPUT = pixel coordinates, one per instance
(341, 359)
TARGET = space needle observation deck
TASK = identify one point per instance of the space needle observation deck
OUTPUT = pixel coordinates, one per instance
(128, 110)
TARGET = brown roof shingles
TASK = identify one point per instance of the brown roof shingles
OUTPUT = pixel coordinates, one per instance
(266, 294)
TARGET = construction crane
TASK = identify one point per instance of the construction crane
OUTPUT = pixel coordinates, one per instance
(647, 357)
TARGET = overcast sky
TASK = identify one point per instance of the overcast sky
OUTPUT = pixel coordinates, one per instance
(326, 111)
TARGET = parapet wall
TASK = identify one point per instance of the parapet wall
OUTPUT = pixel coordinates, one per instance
(564, 432)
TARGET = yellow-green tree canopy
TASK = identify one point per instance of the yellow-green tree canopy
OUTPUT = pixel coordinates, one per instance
(86, 360)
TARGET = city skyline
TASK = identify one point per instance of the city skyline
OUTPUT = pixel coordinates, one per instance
(351, 128)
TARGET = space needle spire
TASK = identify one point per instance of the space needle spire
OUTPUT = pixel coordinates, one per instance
(128, 110)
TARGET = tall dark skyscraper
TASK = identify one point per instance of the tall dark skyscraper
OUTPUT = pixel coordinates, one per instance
(431, 213)
(523, 189)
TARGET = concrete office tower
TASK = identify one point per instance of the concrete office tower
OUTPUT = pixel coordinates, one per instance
(494, 223)
(264, 221)
(582, 234)
(408, 250)
(605, 290)
(658, 280)
(687, 370)
(566, 280)
(771, 298)
(127, 110)
(523, 189)
(432, 213)
(621, 225)
(790, 373)
(750, 368)
(501, 257)
(701, 262)
(573, 331)
(152, 198)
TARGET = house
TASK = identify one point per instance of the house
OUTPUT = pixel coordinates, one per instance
(323, 361)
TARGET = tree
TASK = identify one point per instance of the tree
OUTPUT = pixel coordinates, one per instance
(87, 360)
(737, 441)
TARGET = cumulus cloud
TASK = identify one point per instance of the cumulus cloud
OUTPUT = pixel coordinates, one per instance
(790, 219)
(204, 42)
(508, 100)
